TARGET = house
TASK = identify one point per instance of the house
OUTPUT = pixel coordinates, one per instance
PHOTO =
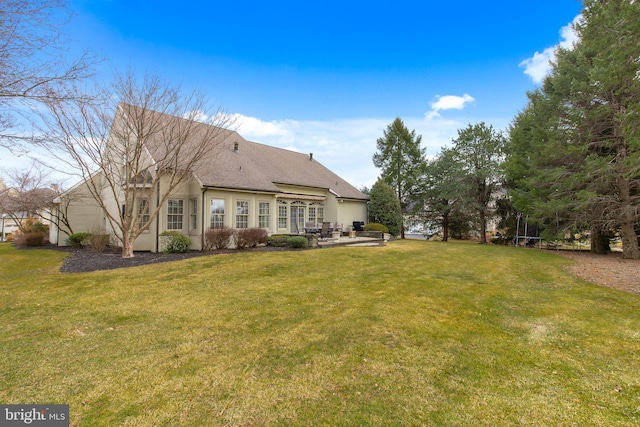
(19, 205)
(244, 184)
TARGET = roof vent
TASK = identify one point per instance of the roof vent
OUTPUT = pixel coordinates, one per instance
(235, 147)
(311, 156)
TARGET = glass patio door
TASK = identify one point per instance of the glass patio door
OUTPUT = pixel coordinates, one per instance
(297, 219)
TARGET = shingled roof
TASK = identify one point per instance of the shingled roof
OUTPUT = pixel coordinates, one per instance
(244, 165)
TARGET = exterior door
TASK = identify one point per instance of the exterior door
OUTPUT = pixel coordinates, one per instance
(297, 219)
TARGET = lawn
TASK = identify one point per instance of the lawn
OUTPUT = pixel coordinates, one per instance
(413, 333)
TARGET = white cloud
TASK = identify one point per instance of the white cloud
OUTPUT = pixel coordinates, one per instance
(539, 65)
(448, 102)
(347, 146)
(259, 128)
(344, 146)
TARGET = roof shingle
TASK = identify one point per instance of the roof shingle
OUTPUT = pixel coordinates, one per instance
(236, 163)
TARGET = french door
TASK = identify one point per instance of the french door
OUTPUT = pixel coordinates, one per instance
(297, 219)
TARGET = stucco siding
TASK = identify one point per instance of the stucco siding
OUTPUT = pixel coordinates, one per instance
(349, 211)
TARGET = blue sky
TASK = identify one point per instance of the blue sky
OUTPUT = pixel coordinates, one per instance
(328, 77)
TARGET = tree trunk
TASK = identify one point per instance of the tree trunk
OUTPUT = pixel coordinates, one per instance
(630, 248)
(445, 227)
(626, 216)
(599, 241)
(483, 227)
(127, 247)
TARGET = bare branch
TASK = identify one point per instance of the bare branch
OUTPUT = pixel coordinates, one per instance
(34, 67)
(137, 140)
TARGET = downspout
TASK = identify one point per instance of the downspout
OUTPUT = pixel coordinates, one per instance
(57, 227)
(204, 190)
(158, 217)
(366, 220)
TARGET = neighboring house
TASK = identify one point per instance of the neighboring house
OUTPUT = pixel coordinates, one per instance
(18, 206)
(246, 185)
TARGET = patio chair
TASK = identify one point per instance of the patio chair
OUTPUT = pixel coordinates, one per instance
(325, 233)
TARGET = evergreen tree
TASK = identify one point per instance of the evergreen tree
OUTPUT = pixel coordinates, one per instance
(440, 192)
(478, 152)
(402, 162)
(384, 207)
(574, 150)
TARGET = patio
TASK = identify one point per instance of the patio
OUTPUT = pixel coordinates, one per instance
(343, 240)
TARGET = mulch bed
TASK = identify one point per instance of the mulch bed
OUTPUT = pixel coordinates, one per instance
(609, 270)
(83, 260)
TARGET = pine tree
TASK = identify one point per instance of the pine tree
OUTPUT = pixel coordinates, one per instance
(384, 207)
(478, 150)
(574, 150)
(402, 162)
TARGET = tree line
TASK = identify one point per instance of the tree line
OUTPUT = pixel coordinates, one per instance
(449, 193)
(570, 160)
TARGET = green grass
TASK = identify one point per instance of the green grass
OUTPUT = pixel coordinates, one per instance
(414, 333)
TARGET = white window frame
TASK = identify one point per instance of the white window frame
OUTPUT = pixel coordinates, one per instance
(216, 217)
(316, 213)
(264, 215)
(175, 214)
(283, 215)
(242, 214)
(144, 210)
(193, 214)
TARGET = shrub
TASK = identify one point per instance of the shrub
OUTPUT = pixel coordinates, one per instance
(384, 207)
(32, 225)
(374, 226)
(250, 237)
(217, 238)
(97, 242)
(298, 242)
(30, 240)
(77, 240)
(175, 242)
(278, 240)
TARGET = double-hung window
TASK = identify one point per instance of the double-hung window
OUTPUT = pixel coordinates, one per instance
(320, 214)
(193, 217)
(143, 210)
(217, 213)
(316, 213)
(175, 214)
(242, 214)
(282, 215)
(263, 214)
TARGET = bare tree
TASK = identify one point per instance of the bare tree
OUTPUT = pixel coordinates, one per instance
(132, 163)
(33, 63)
(28, 196)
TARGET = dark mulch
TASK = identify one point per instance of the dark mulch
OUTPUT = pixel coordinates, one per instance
(83, 260)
